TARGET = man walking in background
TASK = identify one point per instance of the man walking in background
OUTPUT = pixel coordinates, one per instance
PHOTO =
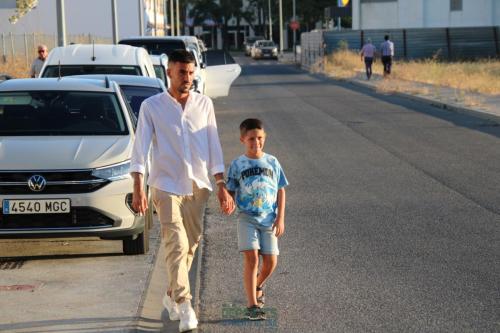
(368, 55)
(37, 64)
(387, 51)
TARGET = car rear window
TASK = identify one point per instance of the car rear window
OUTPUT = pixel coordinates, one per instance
(157, 47)
(218, 57)
(66, 70)
(135, 95)
(160, 73)
(52, 113)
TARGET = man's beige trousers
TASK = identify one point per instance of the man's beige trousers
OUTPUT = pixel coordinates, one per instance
(181, 218)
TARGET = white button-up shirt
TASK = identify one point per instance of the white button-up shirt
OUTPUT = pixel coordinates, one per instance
(185, 143)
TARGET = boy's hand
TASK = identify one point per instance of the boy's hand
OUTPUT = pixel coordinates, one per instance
(279, 226)
(225, 200)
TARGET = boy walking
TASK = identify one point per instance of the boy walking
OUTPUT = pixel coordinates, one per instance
(257, 183)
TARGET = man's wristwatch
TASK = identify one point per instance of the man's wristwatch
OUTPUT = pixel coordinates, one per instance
(220, 181)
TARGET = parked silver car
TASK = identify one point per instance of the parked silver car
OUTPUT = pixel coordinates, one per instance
(66, 146)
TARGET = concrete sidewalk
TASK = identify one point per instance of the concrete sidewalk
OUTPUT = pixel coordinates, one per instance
(456, 100)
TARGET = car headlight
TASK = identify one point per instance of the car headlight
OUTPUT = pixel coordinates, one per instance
(275, 50)
(113, 172)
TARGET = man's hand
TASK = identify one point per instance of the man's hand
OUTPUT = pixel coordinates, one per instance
(139, 202)
(225, 200)
(279, 226)
(139, 199)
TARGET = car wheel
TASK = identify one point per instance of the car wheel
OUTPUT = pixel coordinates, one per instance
(139, 244)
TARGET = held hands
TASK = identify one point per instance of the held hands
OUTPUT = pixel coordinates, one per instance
(225, 200)
(279, 226)
(139, 201)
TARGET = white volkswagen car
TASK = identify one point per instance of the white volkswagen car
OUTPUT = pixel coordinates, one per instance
(65, 147)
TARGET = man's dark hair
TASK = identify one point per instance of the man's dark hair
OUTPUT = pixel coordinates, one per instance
(386, 37)
(180, 55)
(250, 124)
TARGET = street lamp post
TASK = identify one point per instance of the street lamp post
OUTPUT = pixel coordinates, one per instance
(141, 18)
(172, 18)
(61, 23)
(114, 19)
(270, 21)
(178, 17)
(281, 26)
(294, 30)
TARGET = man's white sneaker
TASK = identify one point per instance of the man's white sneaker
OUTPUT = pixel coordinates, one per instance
(172, 307)
(187, 316)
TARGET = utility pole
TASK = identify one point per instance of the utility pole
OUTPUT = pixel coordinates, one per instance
(61, 23)
(155, 32)
(178, 12)
(172, 18)
(281, 26)
(294, 20)
(114, 19)
(270, 21)
(141, 18)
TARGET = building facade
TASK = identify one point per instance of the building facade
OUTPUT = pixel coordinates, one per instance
(89, 17)
(396, 14)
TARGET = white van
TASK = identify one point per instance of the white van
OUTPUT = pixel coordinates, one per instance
(80, 59)
(212, 77)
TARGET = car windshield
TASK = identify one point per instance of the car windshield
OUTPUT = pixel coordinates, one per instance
(66, 70)
(251, 40)
(160, 73)
(266, 44)
(157, 47)
(135, 95)
(60, 113)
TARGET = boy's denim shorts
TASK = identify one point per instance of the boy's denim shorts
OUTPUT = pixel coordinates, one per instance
(253, 236)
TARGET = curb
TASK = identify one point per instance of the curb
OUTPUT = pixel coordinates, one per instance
(436, 103)
(197, 276)
(494, 118)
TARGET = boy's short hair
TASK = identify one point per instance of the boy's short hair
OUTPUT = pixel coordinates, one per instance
(180, 55)
(250, 124)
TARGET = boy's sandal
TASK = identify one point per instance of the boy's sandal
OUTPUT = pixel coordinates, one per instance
(261, 299)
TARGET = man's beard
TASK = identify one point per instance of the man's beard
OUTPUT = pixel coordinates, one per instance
(184, 88)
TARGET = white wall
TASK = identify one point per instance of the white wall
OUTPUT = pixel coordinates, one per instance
(82, 17)
(373, 14)
(424, 14)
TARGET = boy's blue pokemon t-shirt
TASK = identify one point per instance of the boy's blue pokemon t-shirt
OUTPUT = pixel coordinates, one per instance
(256, 183)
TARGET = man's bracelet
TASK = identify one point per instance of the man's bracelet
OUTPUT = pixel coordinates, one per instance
(220, 181)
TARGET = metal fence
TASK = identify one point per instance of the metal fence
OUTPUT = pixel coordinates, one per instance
(312, 49)
(25, 45)
(443, 43)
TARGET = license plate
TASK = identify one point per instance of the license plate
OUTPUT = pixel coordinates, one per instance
(44, 206)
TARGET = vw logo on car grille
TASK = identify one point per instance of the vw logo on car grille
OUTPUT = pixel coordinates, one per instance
(36, 183)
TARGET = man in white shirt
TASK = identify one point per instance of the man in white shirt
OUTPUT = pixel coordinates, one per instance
(368, 55)
(387, 50)
(182, 129)
(37, 64)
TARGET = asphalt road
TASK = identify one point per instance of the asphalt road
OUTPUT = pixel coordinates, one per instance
(393, 212)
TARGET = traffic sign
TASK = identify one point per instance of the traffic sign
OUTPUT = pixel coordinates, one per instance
(294, 25)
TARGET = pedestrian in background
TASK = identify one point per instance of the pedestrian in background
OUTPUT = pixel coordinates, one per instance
(37, 64)
(257, 183)
(368, 56)
(387, 52)
(180, 125)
